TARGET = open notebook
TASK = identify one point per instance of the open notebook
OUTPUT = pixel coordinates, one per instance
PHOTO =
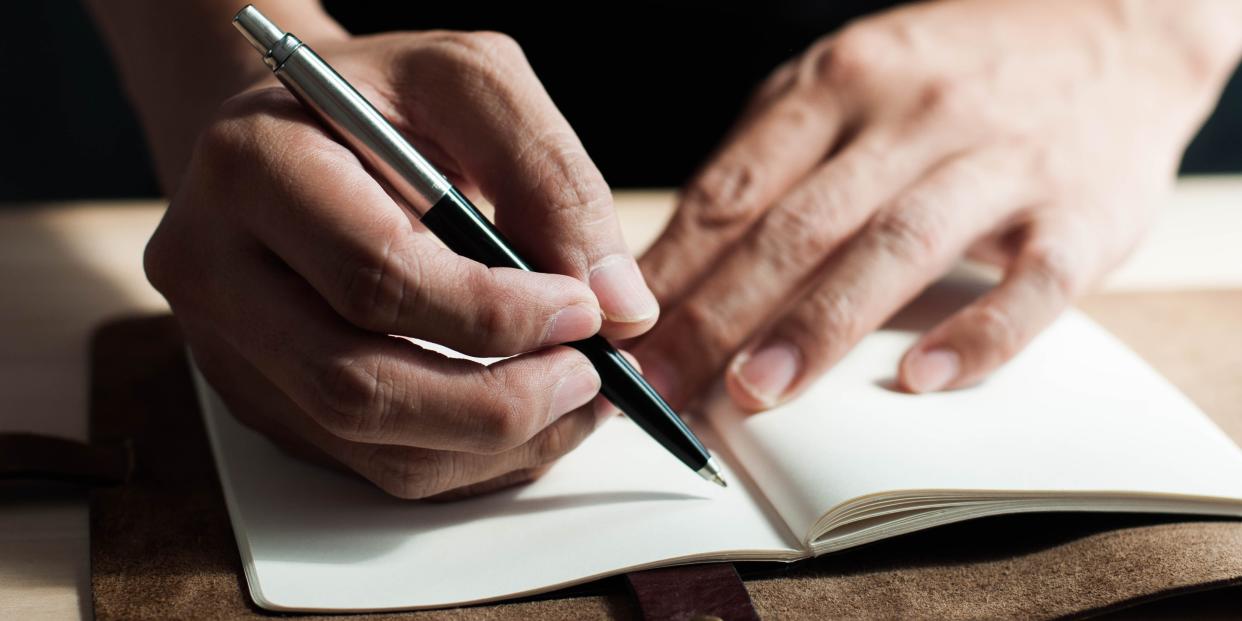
(1075, 423)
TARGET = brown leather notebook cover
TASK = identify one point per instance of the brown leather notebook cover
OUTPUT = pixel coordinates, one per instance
(162, 547)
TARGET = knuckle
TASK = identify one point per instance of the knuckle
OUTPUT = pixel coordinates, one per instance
(411, 473)
(553, 443)
(567, 184)
(492, 44)
(997, 330)
(257, 102)
(494, 321)
(483, 53)
(222, 137)
(796, 115)
(378, 286)
(503, 423)
(582, 189)
(494, 326)
(487, 67)
(946, 98)
(831, 319)
(1053, 270)
(240, 125)
(709, 334)
(803, 231)
(780, 82)
(910, 230)
(354, 399)
(223, 150)
(728, 194)
(848, 58)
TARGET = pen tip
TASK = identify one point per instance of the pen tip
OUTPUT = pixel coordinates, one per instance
(711, 472)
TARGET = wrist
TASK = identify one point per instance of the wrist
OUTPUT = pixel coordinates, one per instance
(1182, 52)
(177, 66)
(1204, 37)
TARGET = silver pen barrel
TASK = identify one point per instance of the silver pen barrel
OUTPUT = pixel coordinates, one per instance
(408, 174)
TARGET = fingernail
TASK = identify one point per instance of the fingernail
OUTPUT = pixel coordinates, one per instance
(622, 292)
(574, 390)
(768, 372)
(571, 323)
(933, 370)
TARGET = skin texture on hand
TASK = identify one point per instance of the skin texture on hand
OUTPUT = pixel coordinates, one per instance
(1036, 136)
(180, 61)
(293, 272)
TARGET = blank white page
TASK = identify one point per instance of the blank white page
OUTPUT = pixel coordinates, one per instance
(316, 540)
(1076, 412)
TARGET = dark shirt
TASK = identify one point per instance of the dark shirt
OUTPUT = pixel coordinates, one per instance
(650, 87)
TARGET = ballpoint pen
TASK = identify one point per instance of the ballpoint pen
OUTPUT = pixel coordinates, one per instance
(452, 217)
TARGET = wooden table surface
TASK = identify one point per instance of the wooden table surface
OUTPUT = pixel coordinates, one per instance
(66, 267)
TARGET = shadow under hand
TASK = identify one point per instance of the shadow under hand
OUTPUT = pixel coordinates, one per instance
(932, 306)
(294, 488)
(938, 302)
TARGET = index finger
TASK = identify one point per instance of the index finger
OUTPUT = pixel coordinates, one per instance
(316, 208)
(495, 119)
(765, 157)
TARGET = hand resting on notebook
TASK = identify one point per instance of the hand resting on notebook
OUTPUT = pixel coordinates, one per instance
(1035, 136)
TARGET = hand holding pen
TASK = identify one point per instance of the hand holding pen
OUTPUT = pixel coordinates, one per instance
(301, 264)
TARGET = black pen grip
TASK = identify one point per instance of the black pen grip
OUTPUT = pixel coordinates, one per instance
(465, 230)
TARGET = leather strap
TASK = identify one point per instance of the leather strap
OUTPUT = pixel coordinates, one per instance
(708, 592)
(34, 456)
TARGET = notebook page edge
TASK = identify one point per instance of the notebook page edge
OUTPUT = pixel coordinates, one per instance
(213, 408)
